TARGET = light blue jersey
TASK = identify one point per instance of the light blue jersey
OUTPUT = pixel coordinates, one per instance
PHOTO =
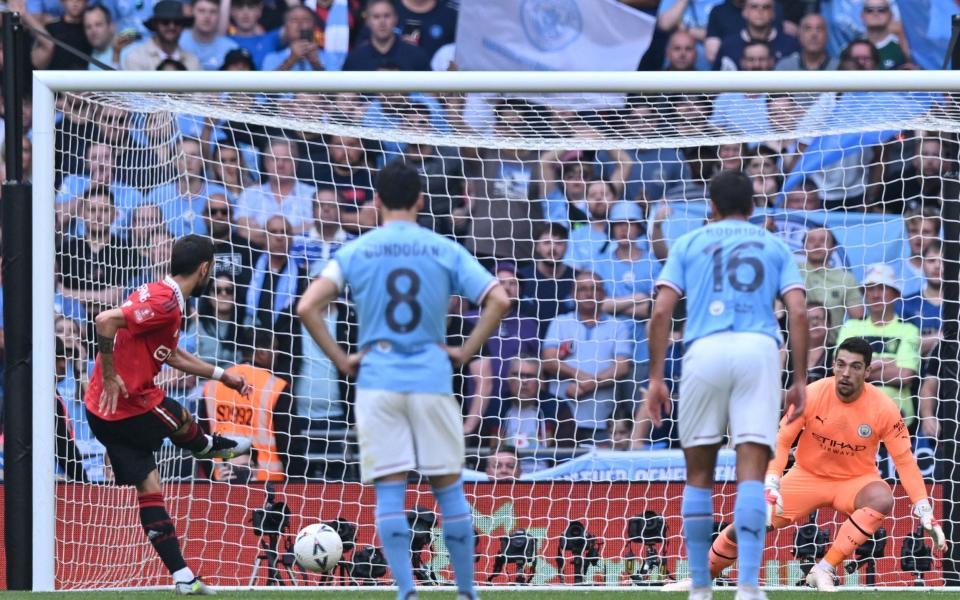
(731, 272)
(401, 277)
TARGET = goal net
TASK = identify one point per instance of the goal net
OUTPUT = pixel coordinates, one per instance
(573, 200)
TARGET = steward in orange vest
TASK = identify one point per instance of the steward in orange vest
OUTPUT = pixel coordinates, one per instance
(261, 417)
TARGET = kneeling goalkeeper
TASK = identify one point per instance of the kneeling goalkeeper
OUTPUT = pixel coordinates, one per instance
(840, 432)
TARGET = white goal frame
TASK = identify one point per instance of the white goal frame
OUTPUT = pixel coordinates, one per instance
(47, 83)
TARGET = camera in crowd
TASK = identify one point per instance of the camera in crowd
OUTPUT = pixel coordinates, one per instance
(368, 565)
(422, 522)
(916, 556)
(348, 535)
(520, 550)
(866, 555)
(810, 545)
(646, 567)
(584, 546)
(270, 523)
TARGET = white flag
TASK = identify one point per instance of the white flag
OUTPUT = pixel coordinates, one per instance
(551, 35)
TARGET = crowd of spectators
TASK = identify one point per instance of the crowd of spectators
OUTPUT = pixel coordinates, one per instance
(577, 238)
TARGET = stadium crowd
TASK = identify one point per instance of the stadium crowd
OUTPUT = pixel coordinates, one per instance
(577, 238)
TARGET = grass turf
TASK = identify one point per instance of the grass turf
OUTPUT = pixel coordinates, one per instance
(444, 595)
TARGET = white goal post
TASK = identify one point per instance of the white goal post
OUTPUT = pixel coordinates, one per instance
(172, 88)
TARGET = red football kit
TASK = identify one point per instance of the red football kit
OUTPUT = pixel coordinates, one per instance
(154, 312)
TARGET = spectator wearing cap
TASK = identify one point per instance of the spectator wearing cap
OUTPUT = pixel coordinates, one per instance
(585, 355)
(384, 46)
(206, 39)
(516, 335)
(238, 59)
(628, 273)
(167, 24)
(759, 18)
(249, 34)
(896, 344)
(302, 52)
(812, 55)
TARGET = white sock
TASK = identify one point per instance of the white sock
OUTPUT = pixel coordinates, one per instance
(184, 575)
(824, 565)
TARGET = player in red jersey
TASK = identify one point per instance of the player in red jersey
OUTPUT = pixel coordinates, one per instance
(129, 414)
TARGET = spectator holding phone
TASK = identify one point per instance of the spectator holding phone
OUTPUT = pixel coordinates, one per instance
(302, 54)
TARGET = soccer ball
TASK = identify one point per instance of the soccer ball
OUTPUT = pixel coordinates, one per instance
(318, 548)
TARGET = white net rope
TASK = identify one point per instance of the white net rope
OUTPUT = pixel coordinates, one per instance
(573, 201)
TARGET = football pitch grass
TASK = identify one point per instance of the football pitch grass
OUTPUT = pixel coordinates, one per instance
(553, 594)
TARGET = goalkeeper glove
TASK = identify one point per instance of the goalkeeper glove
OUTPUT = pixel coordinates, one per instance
(923, 510)
(771, 491)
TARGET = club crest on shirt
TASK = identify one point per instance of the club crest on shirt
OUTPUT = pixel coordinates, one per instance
(142, 314)
(864, 431)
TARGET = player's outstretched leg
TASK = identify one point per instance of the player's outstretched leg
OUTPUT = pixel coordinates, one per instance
(158, 526)
(394, 533)
(188, 435)
(457, 531)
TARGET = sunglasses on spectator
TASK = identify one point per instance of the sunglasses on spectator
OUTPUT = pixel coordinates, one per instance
(219, 211)
(876, 9)
(224, 290)
(756, 6)
(166, 22)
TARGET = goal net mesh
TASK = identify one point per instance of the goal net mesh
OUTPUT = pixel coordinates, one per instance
(573, 201)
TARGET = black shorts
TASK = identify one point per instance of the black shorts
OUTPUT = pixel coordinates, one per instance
(132, 442)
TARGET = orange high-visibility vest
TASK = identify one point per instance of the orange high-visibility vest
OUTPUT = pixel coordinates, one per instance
(232, 414)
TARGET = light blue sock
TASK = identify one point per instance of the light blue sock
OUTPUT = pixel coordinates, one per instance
(458, 533)
(750, 520)
(395, 534)
(697, 511)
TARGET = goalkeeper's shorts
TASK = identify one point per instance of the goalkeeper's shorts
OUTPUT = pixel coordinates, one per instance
(804, 492)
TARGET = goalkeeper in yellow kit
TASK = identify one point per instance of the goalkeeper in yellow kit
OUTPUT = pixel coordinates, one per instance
(839, 434)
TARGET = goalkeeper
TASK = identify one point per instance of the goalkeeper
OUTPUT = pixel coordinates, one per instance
(840, 432)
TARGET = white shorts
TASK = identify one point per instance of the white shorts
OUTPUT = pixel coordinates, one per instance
(399, 432)
(730, 378)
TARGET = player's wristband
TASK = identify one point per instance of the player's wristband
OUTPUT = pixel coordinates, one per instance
(217, 374)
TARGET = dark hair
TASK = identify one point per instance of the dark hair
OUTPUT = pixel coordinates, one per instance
(732, 192)
(819, 305)
(189, 252)
(100, 8)
(933, 245)
(169, 62)
(553, 230)
(97, 191)
(845, 53)
(398, 185)
(758, 43)
(857, 345)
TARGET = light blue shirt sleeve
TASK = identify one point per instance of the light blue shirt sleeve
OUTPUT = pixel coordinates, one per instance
(672, 272)
(274, 60)
(470, 279)
(789, 271)
(552, 339)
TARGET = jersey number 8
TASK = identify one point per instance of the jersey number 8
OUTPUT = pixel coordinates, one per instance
(399, 298)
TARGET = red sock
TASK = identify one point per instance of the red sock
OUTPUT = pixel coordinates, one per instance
(160, 531)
